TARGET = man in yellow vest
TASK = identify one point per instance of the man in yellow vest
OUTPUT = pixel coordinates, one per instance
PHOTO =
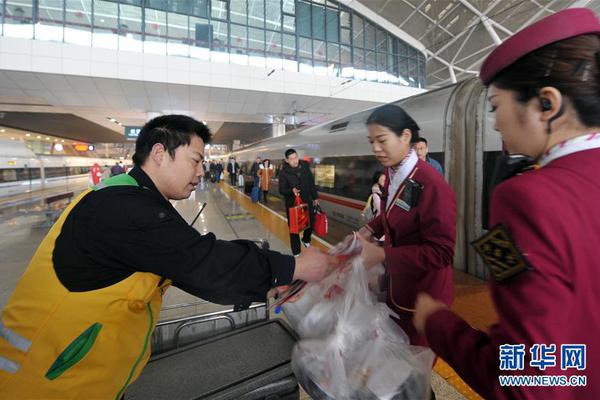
(79, 322)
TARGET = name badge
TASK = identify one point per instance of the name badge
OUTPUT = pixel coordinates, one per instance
(402, 204)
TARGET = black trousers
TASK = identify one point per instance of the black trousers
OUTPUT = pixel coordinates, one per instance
(306, 235)
(265, 193)
(233, 179)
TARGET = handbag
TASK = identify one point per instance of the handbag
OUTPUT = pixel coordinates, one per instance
(299, 218)
(321, 226)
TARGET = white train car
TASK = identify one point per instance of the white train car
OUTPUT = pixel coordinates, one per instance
(461, 136)
(22, 171)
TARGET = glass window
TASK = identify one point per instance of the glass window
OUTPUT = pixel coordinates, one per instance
(130, 28)
(201, 37)
(333, 25)
(318, 22)
(78, 22)
(273, 43)
(381, 40)
(303, 18)
(273, 14)
(199, 7)
(157, 4)
(304, 47)
(369, 36)
(289, 6)
(345, 19)
(358, 58)
(289, 47)
(358, 33)
(238, 11)
(155, 31)
(220, 36)
(105, 25)
(346, 61)
(319, 50)
(181, 6)
(218, 9)
(413, 72)
(345, 36)
(256, 39)
(333, 52)
(256, 13)
(239, 39)
(289, 23)
(178, 40)
(18, 19)
(403, 70)
(50, 20)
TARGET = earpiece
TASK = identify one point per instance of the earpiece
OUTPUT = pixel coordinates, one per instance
(545, 104)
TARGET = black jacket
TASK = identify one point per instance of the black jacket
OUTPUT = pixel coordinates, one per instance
(237, 168)
(299, 178)
(113, 232)
(255, 168)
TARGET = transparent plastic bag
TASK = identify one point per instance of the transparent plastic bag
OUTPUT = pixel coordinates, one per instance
(351, 348)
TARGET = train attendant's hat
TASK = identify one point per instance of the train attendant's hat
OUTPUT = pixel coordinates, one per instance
(559, 26)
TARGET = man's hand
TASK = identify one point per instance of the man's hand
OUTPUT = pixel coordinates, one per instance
(312, 265)
(296, 191)
(371, 253)
(424, 307)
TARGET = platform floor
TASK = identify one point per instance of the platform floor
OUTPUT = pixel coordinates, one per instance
(229, 214)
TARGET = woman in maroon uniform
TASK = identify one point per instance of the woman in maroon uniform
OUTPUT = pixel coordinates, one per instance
(418, 219)
(543, 249)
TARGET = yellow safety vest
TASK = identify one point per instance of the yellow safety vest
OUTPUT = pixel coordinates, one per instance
(57, 344)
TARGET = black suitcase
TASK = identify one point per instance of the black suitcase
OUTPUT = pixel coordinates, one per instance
(251, 363)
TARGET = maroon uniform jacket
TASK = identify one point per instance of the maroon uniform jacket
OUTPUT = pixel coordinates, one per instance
(553, 216)
(419, 245)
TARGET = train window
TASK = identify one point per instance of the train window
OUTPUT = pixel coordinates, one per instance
(352, 176)
(9, 175)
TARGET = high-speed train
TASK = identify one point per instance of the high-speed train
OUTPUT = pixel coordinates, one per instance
(21, 170)
(461, 136)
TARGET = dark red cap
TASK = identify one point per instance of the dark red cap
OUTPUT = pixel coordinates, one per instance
(559, 26)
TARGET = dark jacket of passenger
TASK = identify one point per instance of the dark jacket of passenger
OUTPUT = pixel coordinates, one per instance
(300, 178)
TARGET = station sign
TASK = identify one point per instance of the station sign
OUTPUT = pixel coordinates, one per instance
(132, 132)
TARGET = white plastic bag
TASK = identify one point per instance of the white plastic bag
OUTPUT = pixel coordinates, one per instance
(351, 349)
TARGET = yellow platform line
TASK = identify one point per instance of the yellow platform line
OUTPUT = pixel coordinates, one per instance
(277, 224)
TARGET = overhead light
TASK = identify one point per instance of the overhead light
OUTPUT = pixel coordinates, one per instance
(47, 138)
(91, 147)
(56, 140)
(2, 130)
(58, 147)
(12, 138)
(38, 137)
(28, 134)
(62, 140)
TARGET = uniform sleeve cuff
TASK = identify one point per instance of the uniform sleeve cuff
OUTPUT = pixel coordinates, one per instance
(283, 268)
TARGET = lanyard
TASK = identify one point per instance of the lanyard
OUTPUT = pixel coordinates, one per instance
(570, 146)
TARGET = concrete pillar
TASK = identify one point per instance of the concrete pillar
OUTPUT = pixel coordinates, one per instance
(278, 127)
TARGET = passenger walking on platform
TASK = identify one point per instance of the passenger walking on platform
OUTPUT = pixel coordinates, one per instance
(256, 166)
(79, 322)
(377, 193)
(105, 173)
(418, 220)
(233, 169)
(265, 174)
(219, 169)
(542, 249)
(422, 148)
(296, 179)
(116, 169)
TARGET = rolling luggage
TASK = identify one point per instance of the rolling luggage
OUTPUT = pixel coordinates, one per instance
(241, 180)
(255, 194)
(251, 363)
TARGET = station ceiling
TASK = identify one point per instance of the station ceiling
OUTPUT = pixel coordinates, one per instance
(459, 34)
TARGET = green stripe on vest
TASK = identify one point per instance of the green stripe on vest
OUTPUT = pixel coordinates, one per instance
(117, 180)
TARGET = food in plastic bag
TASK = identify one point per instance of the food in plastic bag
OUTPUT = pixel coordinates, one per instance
(351, 349)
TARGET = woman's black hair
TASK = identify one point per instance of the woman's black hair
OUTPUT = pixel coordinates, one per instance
(395, 119)
(376, 176)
